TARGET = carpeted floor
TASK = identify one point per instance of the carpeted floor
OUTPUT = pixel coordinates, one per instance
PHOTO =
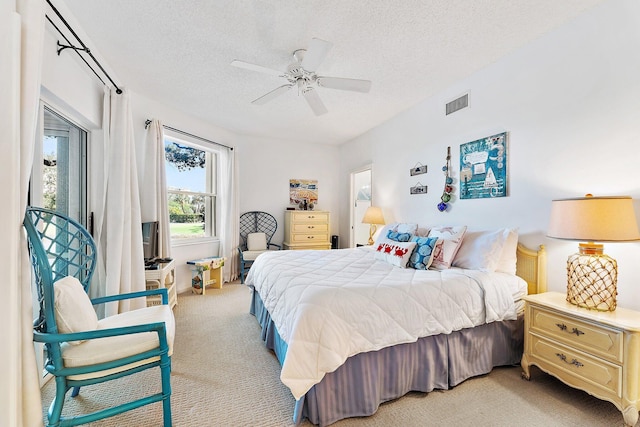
(222, 375)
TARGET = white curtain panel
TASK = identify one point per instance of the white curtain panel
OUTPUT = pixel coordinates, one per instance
(21, 44)
(119, 235)
(229, 227)
(153, 186)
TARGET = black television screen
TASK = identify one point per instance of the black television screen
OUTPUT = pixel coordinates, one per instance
(150, 240)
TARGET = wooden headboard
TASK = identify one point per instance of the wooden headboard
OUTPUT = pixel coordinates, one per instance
(532, 267)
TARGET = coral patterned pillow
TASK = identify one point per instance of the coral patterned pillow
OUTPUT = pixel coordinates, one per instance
(451, 240)
(395, 253)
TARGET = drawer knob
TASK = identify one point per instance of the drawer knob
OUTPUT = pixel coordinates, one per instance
(309, 237)
(562, 326)
(573, 361)
(310, 226)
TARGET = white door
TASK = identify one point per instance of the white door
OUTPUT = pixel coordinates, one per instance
(360, 201)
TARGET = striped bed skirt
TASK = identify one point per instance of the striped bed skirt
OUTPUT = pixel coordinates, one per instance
(368, 379)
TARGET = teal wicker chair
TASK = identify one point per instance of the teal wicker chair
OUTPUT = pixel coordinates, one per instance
(251, 223)
(82, 350)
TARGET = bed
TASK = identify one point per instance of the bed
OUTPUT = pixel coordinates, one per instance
(352, 331)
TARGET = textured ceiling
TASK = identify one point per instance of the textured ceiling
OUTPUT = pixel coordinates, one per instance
(178, 53)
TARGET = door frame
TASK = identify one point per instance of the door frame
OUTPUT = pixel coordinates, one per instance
(352, 196)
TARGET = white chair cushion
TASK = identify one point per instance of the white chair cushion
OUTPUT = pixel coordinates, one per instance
(73, 309)
(251, 255)
(105, 349)
(256, 242)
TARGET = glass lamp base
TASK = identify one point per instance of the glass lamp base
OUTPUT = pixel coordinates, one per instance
(591, 281)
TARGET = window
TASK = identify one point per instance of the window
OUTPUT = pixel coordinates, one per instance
(60, 169)
(191, 189)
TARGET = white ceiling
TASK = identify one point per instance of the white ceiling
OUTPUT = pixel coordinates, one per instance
(178, 53)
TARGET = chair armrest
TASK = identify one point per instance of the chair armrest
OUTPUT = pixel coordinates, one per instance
(240, 252)
(277, 246)
(44, 337)
(159, 291)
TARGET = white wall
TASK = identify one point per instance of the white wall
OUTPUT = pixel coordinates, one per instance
(570, 103)
(265, 167)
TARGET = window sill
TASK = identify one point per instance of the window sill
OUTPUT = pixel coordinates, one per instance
(194, 242)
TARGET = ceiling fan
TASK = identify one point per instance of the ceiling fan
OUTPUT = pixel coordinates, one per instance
(301, 73)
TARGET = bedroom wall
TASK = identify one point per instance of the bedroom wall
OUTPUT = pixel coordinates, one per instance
(570, 103)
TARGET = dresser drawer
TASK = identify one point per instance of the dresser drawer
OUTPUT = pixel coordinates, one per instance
(594, 339)
(308, 228)
(309, 217)
(309, 238)
(598, 373)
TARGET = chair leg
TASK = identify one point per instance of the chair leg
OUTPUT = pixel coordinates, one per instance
(75, 392)
(242, 273)
(55, 410)
(165, 370)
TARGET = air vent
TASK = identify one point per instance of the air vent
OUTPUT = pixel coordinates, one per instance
(457, 104)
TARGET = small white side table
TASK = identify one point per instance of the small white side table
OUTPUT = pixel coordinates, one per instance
(163, 277)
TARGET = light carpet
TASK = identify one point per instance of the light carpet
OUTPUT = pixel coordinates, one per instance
(223, 375)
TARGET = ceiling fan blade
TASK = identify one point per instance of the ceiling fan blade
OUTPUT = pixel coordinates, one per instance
(344, 84)
(254, 67)
(315, 54)
(314, 101)
(271, 95)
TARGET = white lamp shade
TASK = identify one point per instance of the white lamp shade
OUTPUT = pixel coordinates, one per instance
(594, 219)
(373, 215)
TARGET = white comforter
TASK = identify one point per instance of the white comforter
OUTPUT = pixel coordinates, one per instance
(329, 305)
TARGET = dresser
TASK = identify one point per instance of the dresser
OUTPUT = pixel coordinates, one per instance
(163, 277)
(598, 352)
(306, 230)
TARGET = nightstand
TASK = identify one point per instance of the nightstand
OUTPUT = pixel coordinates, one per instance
(597, 352)
(163, 277)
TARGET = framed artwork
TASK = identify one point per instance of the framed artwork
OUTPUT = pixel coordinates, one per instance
(303, 189)
(483, 168)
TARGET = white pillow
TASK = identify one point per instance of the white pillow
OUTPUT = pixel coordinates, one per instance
(452, 239)
(256, 241)
(73, 309)
(399, 227)
(481, 250)
(508, 258)
(395, 253)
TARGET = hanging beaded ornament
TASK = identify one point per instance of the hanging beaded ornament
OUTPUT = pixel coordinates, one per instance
(448, 184)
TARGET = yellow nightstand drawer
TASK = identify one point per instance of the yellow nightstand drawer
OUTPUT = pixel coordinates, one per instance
(595, 339)
(307, 217)
(599, 374)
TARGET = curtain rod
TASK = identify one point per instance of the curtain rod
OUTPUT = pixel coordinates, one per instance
(84, 48)
(148, 122)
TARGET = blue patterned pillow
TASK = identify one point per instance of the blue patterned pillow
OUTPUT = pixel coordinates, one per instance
(398, 237)
(423, 253)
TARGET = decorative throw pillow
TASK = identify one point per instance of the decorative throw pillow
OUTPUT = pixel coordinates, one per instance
(398, 237)
(451, 240)
(402, 228)
(480, 250)
(422, 255)
(395, 253)
(508, 258)
(256, 241)
(73, 309)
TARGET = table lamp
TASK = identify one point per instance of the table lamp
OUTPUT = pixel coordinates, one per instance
(591, 275)
(373, 216)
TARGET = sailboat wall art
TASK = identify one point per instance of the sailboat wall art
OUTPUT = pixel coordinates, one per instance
(483, 168)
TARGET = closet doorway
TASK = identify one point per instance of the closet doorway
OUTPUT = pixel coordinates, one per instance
(360, 201)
